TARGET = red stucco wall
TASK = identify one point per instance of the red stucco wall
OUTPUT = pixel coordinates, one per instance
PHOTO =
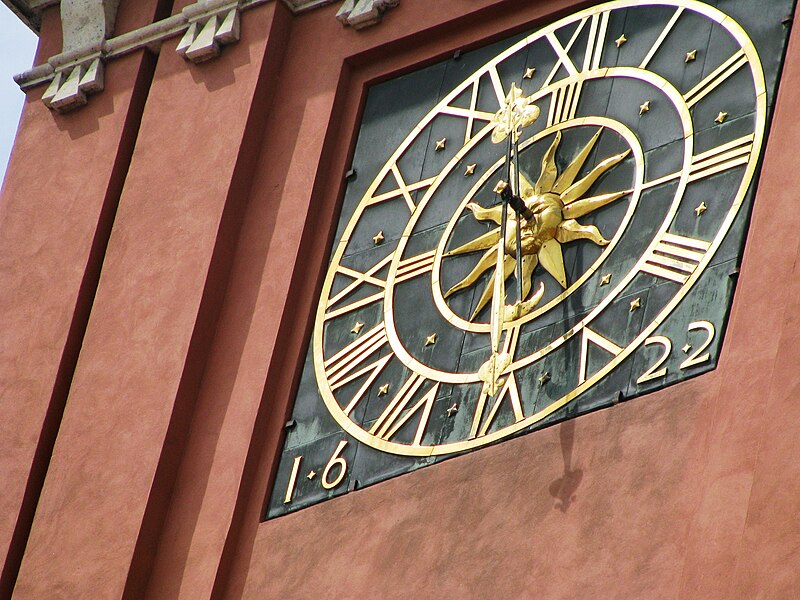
(217, 226)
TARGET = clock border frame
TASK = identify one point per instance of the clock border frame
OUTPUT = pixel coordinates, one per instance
(374, 67)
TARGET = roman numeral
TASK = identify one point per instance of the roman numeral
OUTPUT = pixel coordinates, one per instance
(715, 79)
(564, 100)
(562, 53)
(471, 114)
(596, 40)
(407, 269)
(675, 257)
(664, 33)
(588, 336)
(510, 391)
(358, 280)
(390, 421)
(564, 103)
(497, 86)
(403, 189)
(415, 266)
(724, 157)
(346, 365)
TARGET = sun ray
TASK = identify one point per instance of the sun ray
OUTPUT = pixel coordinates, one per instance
(529, 263)
(567, 178)
(549, 169)
(585, 206)
(508, 268)
(578, 189)
(552, 259)
(483, 242)
(484, 264)
(570, 230)
(493, 213)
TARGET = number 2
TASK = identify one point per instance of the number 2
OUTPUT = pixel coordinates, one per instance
(652, 373)
(698, 357)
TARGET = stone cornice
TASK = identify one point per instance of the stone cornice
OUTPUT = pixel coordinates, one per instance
(206, 26)
(29, 11)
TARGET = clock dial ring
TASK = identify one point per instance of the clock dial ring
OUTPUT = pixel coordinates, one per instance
(760, 112)
(492, 171)
(458, 322)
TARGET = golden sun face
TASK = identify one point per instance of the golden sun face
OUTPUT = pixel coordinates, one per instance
(557, 200)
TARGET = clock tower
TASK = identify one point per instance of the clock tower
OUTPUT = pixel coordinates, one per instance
(402, 299)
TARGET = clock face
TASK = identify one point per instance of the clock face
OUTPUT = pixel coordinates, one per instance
(630, 132)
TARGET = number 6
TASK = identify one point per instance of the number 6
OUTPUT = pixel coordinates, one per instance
(334, 461)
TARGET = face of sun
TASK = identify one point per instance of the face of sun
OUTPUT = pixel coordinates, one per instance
(557, 200)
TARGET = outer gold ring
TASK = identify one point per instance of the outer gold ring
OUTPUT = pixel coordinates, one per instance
(753, 61)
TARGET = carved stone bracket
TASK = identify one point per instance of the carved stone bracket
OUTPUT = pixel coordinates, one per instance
(364, 13)
(73, 82)
(212, 24)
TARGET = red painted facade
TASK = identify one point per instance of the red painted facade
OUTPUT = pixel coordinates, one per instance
(162, 250)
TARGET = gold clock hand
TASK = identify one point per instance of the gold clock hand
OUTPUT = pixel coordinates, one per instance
(516, 113)
(491, 370)
(498, 297)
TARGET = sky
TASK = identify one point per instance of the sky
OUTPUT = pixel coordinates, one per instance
(17, 47)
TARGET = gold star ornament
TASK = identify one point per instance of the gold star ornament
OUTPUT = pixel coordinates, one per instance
(357, 327)
(644, 108)
(452, 410)
(378, 237)
(311, 474)
(605, 279)
(721, 117)
(636, 304)
(620, 40)
(701, 208)
(430, 340)
(440, 144)
(383, 390)
(690, 56)
(544, 378)
(470, 170)
(529, 73)
(686, 348)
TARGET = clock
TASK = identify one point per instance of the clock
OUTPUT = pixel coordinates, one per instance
(536, 229)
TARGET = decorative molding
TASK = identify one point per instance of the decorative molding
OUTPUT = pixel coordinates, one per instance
(29, 11)
(364, 13)
(206, 26)
(301, 6)
(212, 24)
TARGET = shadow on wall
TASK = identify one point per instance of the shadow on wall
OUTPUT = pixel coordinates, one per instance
(563, 489)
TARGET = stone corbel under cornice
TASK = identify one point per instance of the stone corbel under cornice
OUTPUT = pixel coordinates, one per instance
(206, 26)
(211, 25)
(364, 13)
